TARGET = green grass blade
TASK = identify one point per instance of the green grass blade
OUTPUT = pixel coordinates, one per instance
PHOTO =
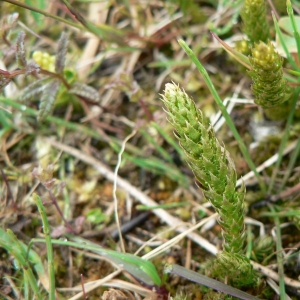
(281, 39)
(294, 25)
(26, 288)
(292, 111)
(297, 73)
(45, 13)
(23, 260)
(213, 91)
(140, 268)
(5, 120)
(290, 166)
(37, 17)
(46, 229)
(164, 206)
(157, 147)
(249, 242)
(9, 242)
(168, 138)
(280, 257)
(233, 20)
(106, 32)
(284, 140)
(206, 281)
(157, 166)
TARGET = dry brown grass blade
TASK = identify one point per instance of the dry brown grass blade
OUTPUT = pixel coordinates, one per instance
(235, 54)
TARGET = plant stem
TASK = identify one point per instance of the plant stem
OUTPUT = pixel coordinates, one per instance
(290, 167)
(284, 139)
(137, 266)
(279, 256)
(294, 25)
(284, 46)
(42, 12)
(10, 242)
(50, 258)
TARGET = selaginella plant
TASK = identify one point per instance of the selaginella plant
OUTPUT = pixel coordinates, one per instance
(216, 175)
(254, 18)
(270, 89)
(255, 25)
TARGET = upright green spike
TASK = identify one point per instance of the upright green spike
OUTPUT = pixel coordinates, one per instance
(210, 163)
(269, 86)
(215, 171)
(255, 20)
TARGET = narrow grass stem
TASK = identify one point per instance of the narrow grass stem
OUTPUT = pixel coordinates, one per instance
(296, 94)
(165, 154)
(249, 242)
(89, 26)
(9, 241)
(284, 46)
(107, 33)
(290, 166)
(279, 256)
(284, 139)
(26, 288)
(209, 282)
(137, 266)
(234, 5)
(213, 91)
(168, 138)
(50, 258)
(45, 13)
(294, 25)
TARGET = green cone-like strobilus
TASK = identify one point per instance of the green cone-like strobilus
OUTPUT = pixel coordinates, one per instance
(269, 86)
(210, 163)
(255, 20)
(216, 174)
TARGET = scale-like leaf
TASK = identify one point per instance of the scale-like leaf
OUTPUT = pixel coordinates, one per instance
(20, 50)
(34, 89)
(85, 91)
(61, 52)
(48, 99)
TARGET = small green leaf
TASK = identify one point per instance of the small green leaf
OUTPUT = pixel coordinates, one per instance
(40, 4)
(96, 216)
(138, 267)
